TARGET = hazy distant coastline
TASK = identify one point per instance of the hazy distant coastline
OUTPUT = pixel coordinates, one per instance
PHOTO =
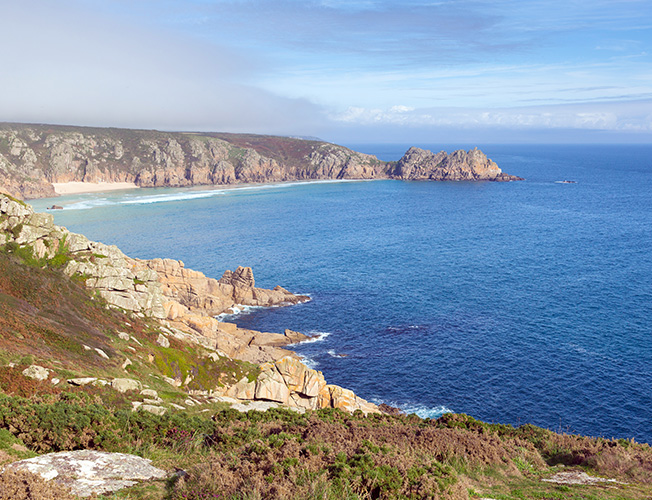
(39, 161)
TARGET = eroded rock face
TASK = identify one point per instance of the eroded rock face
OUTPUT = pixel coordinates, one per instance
(473, 165)
(291, 383)
(86, 471)
(33, 157)
(194, 291)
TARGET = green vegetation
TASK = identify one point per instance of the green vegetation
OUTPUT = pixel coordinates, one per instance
(325, 454)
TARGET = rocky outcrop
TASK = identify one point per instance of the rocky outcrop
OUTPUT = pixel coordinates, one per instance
(289, 382)
(194, 291)
(421, 164)
(88, 472)
(184, 301)
(32, 157)
(160, 288)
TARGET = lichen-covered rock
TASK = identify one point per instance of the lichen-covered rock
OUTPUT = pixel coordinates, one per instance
(36, 372)
(88, 472)
(82, 381)
(154, 409)
(162, 340)
(126, 384)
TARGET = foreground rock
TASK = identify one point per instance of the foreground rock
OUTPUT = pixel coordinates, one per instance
(576, 477)
(86, 472)
(32, 157)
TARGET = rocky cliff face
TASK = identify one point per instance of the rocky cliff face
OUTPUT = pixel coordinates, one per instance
(420, 164)
(184, 302)
(32, 157)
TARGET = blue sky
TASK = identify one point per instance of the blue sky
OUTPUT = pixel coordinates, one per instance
(347, 71)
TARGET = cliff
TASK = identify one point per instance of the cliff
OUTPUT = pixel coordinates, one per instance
(32, 157)
(182, 304)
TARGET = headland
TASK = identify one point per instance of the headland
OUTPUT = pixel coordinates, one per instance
(41, 161)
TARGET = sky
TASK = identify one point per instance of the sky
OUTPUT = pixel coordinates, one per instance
(483, 71)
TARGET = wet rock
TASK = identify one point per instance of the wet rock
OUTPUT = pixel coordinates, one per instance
(295, 337)
(389, 410)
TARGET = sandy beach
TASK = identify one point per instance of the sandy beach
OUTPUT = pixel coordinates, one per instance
(90, 187)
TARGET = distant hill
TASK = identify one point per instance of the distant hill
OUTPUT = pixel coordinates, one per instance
(32, 157)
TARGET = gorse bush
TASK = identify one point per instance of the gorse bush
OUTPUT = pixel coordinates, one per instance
(70, 421)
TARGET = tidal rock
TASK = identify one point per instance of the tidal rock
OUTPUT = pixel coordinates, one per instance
(88, 472)
(295, 337)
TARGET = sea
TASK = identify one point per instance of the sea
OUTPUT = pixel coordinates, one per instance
(519, 302)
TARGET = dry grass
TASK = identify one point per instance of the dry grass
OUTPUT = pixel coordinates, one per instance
(23, 485)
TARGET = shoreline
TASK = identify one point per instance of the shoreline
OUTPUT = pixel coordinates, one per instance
(73, 188)
(76, 187)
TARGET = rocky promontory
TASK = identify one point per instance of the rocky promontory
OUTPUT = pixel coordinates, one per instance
(184, 304)
(33, 157)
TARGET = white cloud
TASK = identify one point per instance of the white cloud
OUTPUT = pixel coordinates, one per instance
(634, 116)
(67, 64)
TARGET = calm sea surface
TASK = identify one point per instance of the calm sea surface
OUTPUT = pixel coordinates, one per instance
(523, 302)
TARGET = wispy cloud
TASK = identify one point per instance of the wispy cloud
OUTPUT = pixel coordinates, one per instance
(636, 116)
(72, 66)
(309, 66)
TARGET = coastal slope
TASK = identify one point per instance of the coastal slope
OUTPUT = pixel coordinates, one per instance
(34, 157)
(103, 355)
(179, 305)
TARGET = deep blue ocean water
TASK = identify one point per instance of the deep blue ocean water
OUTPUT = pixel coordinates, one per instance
(522, 302)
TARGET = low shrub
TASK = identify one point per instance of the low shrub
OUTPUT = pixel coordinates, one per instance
(23, 485)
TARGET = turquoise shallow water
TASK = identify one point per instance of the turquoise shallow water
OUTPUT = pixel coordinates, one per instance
(513, 302)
